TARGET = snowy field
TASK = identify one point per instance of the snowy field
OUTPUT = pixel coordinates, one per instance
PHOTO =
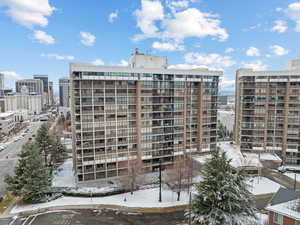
(292, 175)
(144, 198)
(64, 176)
(262, 185)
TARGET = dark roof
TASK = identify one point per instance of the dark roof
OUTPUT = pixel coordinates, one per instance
(284, 195)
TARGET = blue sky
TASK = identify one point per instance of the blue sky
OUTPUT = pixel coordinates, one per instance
(43, 36)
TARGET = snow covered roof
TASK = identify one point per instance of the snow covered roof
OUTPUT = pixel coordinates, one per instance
(252, 160)
(290, 209)
(270, 156)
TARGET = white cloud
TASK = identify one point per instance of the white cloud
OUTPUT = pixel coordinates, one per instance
(227, 85)
(177, 25)
(193, 23)
(278, 50)
(278, 9)
(252, 51)
(112, 16)
(213, 60)
(58, 57)
(29, 13)
(280, 26)
(11, 75)
(87, 38)
(123, 63)
(293, 12)
(43, 38)
(229, 50)
(176, 5)
(98, 62)
(255, 65)
(167, 46)
(150, 12)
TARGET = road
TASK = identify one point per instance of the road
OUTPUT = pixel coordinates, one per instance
(99, 217)
(9, 156)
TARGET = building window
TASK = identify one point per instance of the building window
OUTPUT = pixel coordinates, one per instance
(278, 219)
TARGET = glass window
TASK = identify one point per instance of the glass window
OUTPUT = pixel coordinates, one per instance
(278, 218)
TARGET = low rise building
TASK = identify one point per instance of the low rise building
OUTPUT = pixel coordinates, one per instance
(284, 208)
(7, 123)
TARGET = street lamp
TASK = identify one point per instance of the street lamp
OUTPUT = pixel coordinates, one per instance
(159, 199)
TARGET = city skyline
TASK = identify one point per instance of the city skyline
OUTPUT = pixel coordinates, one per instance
(47, 36)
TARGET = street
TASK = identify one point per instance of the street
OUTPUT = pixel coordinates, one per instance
(99, 217)
(9, 156)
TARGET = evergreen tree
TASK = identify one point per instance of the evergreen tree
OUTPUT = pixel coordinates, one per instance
(31, 179)
(222, 197)
(57, 151)
(44, 142)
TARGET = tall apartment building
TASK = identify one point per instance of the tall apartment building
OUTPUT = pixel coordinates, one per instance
(64, 92)
(32, 85)
(144, 111)
(267, 114)
(1, 84)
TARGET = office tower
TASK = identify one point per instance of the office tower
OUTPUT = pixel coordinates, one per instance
(144, 111)
(64, 92)
(43, 78)
(45, 96)
(1, 84)
(267, 114)
(50, 91)
(33, 86)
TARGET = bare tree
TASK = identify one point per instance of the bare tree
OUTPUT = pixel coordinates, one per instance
(177, 178)
(135, 177)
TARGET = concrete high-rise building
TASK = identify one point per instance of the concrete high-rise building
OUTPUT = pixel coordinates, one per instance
(267, 114)
(33, 86)
(142, 112)
(50, 91)
(43, 78)
(45, 95)
(1, 84)
(64, 92)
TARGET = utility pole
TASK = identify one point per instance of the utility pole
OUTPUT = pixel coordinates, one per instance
(190, 206)
(159, 199)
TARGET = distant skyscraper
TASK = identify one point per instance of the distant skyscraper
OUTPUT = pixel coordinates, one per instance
(33, 85)
(64, 92)
(44, 78)
(50, 90)
(1, 84)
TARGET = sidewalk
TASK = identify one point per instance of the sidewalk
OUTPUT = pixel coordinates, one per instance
(281, 179)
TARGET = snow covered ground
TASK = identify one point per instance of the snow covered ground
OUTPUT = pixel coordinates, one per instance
(292, 175)
(144, 198)
(262, 185)
(64, 176)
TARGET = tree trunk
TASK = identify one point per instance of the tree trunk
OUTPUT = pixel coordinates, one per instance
(178, 196)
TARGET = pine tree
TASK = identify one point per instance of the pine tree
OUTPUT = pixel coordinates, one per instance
(31, 179)
(222, 197)
(44, 141)
(57, 151)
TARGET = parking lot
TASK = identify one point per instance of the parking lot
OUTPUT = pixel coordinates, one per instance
(102, 217)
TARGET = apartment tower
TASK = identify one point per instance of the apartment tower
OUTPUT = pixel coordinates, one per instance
(144, 111)
(64, 92)
(267, 114)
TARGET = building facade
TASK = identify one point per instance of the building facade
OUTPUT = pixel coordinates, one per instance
(64, 92)
(7, 123)
(267, 114)
(142, 112)
(32, 103)
(51, 96)
(45, 95)
(33, 86)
